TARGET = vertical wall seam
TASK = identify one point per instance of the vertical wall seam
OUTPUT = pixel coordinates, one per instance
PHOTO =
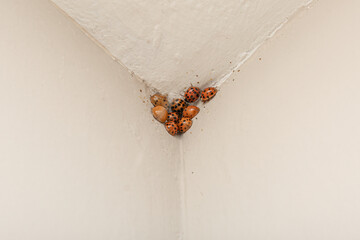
(182, 193)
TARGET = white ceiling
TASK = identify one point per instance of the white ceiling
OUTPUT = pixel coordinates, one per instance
(172, 43)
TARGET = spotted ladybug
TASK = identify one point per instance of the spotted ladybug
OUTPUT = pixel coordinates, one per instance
(190, 111)
(160, 113)
(192, 94)
(178, 105)
(171, 128)
(208, 93)
(159, 100)
(173, 116)
(184, 124)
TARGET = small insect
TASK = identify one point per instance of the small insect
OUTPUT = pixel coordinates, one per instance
(190, 111)
(178, 105)
(160, 113)
(171, 128)
(184, 124)
(173, 117)
(192, 94)
(208, 93)
(159, 100)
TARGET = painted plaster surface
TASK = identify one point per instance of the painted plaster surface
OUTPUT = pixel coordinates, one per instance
(170, 44)
(80, 157)
(283, 162)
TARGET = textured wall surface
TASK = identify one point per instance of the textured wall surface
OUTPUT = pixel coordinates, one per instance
(276, 155)
(80, 157)
(171, 44)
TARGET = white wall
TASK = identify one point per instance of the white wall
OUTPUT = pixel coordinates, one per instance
(276, 154)
(167, 42)
(80, 157)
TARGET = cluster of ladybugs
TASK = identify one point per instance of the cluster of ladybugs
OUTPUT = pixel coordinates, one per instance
(179, 119)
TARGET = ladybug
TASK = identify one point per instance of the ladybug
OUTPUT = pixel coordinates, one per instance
(184, 124)
(178, 105)
(160, 113)
(173, 117)
(159, 100)
(208, 93)
(192, 94)
(191, 111)
(171, 128)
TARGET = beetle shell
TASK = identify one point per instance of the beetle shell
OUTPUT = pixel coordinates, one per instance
(173, 116)
(190, 112)
(159, 100)
(171, 128)
(178, 105)
(208, 93)
(160, 113)
(192, 94)
(184, 124)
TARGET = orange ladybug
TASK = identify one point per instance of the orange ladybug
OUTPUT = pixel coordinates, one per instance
(184, 124)
(171, 128)
(192, 94)
(208, 93)
(159, 100)
(160, 113)
(191, 111)
(178, 105)
(173, 116)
